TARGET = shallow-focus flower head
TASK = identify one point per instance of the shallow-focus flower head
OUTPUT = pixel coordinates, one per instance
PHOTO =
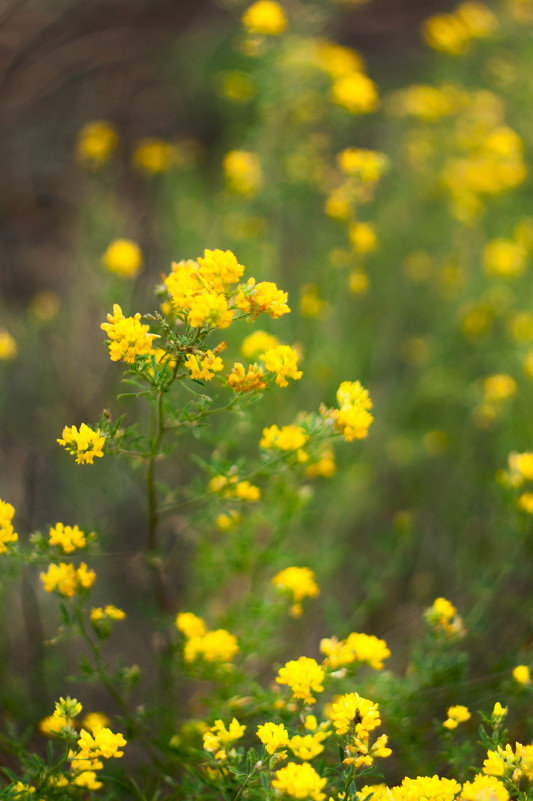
(123, 257)
(456, 714)
(521, 674)
(152, 155)
(7, 532)
(304, 676)
(265, 17)
(95, 143)
(128, 337)
(273, 736)
(299, 781)
(8, 346)
(243, 172)
(85, 444)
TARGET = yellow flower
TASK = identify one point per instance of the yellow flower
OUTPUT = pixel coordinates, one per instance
(307, 746)
(521, 466)
(95, 143)
(66, 580)
(153, 156)
(257, 343)
(504, 258)
(128, 337)
(250, 381)
(299, 781)
(247, 492)
(264, 297)
(352, 418)
(110, 612)
(213, 646)
(430, 788)
(521, 675)
(92, 719)
(243, 172)
(67, 537)
(265, 17)
(7, 532)
(325, 466)
(483, 788)
(8, 346)
(101, 743)
(355, 648)
(499, 387)
(525, 502)
(456, 714)
(356, 92)
(273, 735)
(286, 438)
(300, 581)
(84, 444)
(447, 33)
(302, 675)
(123, 257)
(51, 725)
(204, 365)
(366, 165)
(282, 360)
(351, 707)
(209, 308)
(190, 624)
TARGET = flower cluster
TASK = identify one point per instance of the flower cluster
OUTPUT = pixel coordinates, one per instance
(456, 714)
(299, 781)
(300, 583)
(218, 737)
(218, 646)
(353, 417)
(355, 648)
(68, 538)
(453, 33)
(231, 487)
(67, 580)
(128, 337)
(443, 617)
(304, 676)
(85, 444)
(7, 532)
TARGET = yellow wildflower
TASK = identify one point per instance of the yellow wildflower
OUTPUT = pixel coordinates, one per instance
(311, 304)
(213, 646)
(286, 438)
(363, 237)
(128, 337)
(209, 308)
(299, 581)
(204, 365)
(110, 612)
(504, 258)
(456, 714)
(356, 92)
(101, 743)
(243, 172)
(499, 387)
(256, 343)
(67, 537)
(273, 735)
(7, 532)
(265, 17)
(52, 725)
(190, 624)
(219, 269)
(241, 381)
(366, 165)
(521, 675)
(282, 360)
(247, 492)
(307, 746)
(264, 297)
(351, 707)
(324, 466)
(443, 616)
(95, 143)
(302, 675)
(299, 781)
(66, 580)
(153, 155)
(525, 502)
(84, 444)
(8, 346)
(430, 788)
(123, 257)
(353, 417)
(482, 788)
(355, 648)
(447, 33)
(92, 719)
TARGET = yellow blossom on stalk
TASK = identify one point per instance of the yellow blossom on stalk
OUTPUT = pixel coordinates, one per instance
(256, 343)
(95, 143)
(246, 491)
(525, 502)
(307, 746)
(504, 258)
(286, 438)
(243, 172)
(123, 257)
(241, 381)
(363, 237)
(204, 365)
(265, 17)
(456, 714)
(51, 725)
(430, 788)
(190, 624)
(282, 360)
(350, 709)
(442, 615)
(366, 165)
(21, 791)
(498, 713)
(300, 582)
(110, 612)
(213, 646)
(302, 675)
(8, 346)
(482, 788)
(273, 736)
(355, 92)
(355, 648)
(66, 580)
(92, 719)
(264, 297)
(225, 522)
(353, 417)
(447, 33)
(67, 537)
(500, 762)
(7, 532)
(299, 781)
(101, 743)
(129, 338)
(209, 308)
(153, 155)
(522, 675)
(499, 387)
(84, 444)
(219, 269)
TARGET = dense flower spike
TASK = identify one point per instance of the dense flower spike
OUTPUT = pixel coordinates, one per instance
(7, 532)
(456, 714)
(101, 743)
(265, 297)
(442, 615)
(352, 713)
(282, 360)
(85, 444)
(304, 676)
(273, 736)
(299, 781)
(68, 538)
(241, 380)
(128, 337)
